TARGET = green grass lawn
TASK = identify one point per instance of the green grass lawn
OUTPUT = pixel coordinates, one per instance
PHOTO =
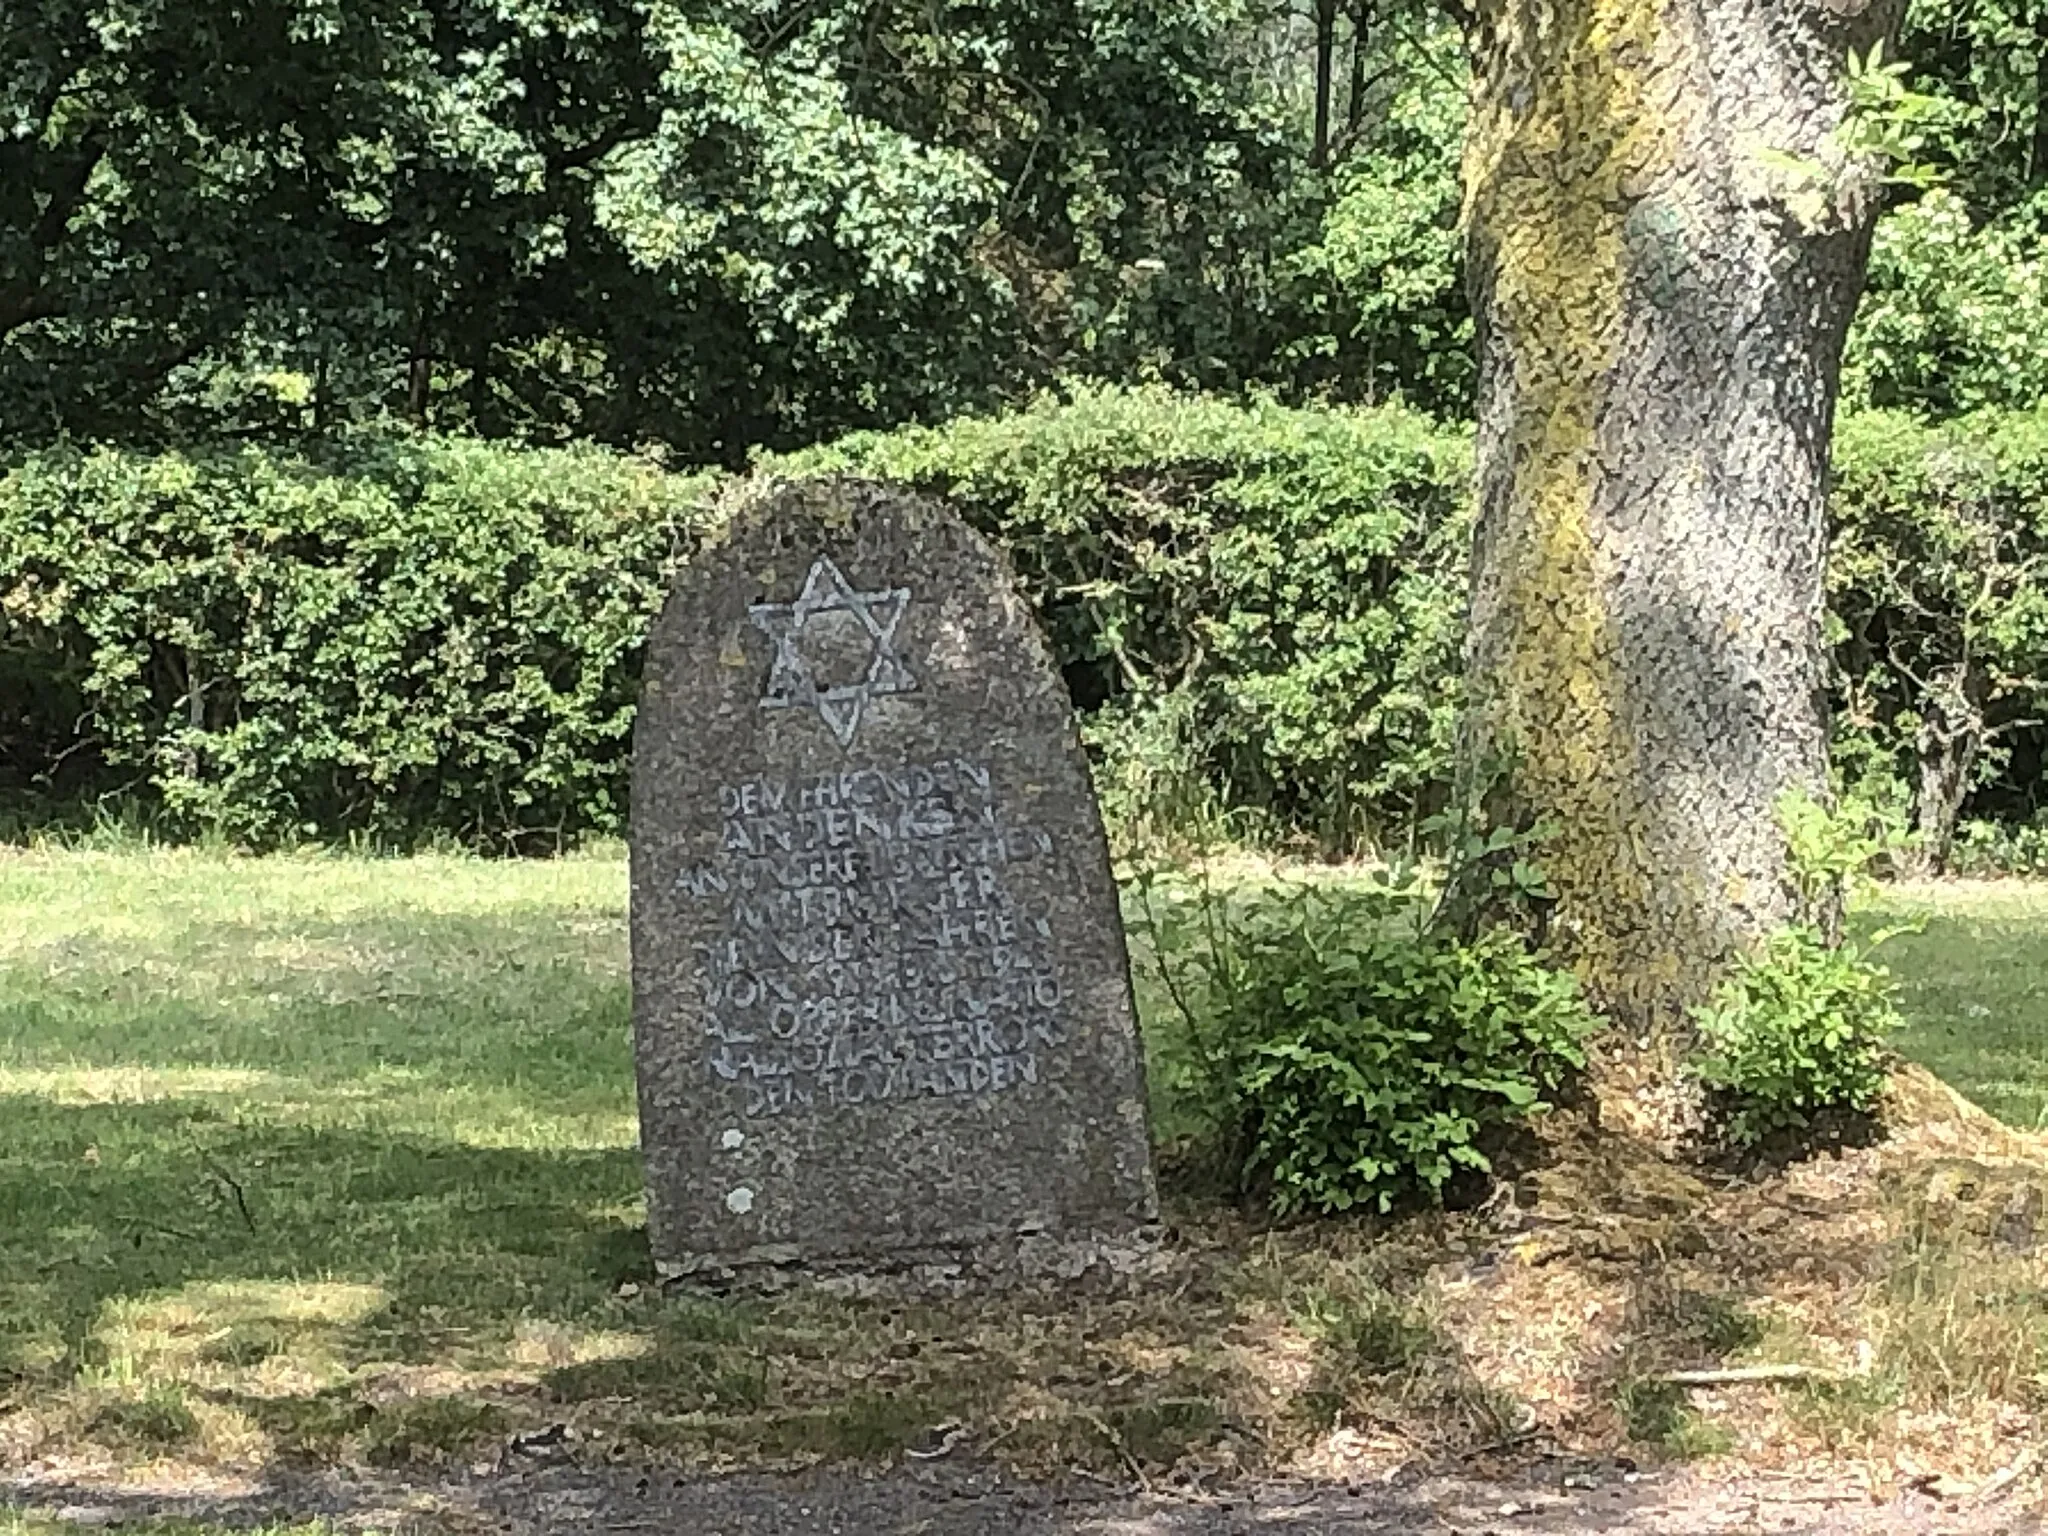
(1973, 985)
(337, 1158)
(270, 1118)
(329, 1157)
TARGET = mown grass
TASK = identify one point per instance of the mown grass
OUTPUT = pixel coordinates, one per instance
(1973, 985)
(331, 1158)
(334, 1159)
(262, 1121)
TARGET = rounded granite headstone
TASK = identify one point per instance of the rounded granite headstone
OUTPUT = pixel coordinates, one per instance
(882, 1006)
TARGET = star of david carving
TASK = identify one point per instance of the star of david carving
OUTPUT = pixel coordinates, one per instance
(796, 679)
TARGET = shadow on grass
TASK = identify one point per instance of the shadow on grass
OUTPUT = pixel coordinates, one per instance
(289, 1189)
(277, 1183)
(178, 1279)
(105, 1204)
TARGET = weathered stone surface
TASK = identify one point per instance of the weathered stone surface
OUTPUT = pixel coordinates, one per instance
(882, 1004)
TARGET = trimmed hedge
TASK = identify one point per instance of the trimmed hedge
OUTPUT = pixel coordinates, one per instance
(392, 637)
(1276, 593)
(403, 638)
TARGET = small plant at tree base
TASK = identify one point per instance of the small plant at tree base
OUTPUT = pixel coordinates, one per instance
(1797, 1030)
(1831, 850)
(1360, 1055)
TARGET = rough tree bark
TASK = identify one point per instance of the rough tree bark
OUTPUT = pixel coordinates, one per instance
(1666, 246)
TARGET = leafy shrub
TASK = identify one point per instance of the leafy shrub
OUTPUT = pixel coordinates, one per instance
(1938, 590)
(1993, 849)
(1955, 315)
(1356, 1055)
(391, 637)
(1799, 1028)
(1293, 580)
(1833, 851)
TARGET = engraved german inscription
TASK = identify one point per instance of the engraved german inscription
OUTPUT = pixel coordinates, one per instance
(873, 946)
(881, 1000)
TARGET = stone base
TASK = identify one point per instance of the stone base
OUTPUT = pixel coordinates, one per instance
(1093, 1259)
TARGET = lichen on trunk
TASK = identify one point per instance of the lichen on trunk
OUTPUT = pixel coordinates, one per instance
(1667, 244)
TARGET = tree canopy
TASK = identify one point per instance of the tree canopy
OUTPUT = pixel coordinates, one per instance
(718, 225)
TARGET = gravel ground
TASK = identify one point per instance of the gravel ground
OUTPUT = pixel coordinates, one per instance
(977, 1501)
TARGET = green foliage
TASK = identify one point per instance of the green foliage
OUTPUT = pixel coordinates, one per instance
(714, 224)
(1353, 1054)
(1952, 318)
(1286, 584)
(1893, 124)
(1383, 313)
(1984, 56)
(1992, 850)
(1658, 1412)
(1955, 315)
(1938, 587)
(1152, 782)
(1365, 1328)
(391, 638)
(1885, 138)
(1833, 850)
(1799, 1028)
(1256, 607)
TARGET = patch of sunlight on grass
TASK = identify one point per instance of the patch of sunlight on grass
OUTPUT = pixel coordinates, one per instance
(550, 1346)
(1973, 987)
(130, 1085)
(218, 1329)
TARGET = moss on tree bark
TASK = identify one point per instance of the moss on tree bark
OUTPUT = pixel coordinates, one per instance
(1667, 244)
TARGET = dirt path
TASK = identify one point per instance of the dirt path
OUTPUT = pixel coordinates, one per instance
(978, 1501)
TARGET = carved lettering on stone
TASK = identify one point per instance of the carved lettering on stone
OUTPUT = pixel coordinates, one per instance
(881, 996)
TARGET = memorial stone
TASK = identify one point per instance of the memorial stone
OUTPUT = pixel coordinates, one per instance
(882, 1004)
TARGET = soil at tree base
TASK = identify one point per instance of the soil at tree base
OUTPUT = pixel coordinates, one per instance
(1551, 1498)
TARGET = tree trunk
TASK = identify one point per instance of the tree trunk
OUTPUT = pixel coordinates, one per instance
(1951, 735)
(1326, 63)
(419, 387)
(1666, 247)
(1361, 40)
(2037, 160)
